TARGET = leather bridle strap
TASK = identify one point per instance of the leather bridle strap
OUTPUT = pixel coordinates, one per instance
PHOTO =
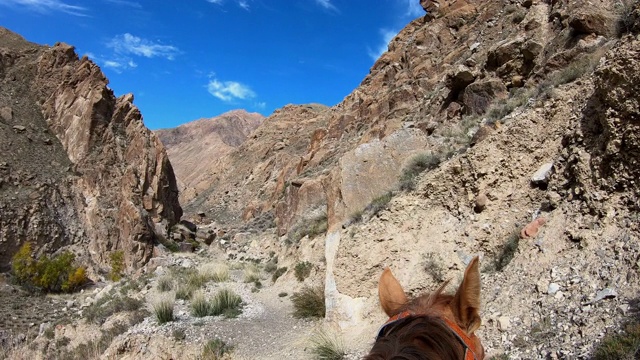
(461, 335)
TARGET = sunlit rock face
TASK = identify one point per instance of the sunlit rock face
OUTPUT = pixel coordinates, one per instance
(79, 167)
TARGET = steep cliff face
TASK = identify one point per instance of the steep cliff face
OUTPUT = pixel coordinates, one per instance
(440, 82)
(79, 166)
(214, 137)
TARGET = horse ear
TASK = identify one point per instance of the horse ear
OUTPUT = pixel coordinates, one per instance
(392, 297)
(466, 302)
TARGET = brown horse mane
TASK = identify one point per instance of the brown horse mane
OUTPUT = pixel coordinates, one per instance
(420, 336)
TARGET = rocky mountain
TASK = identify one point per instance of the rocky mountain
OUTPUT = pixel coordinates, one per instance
(213, 138)
(506, 129)
(78, 167)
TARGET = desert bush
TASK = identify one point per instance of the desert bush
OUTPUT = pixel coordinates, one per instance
(433, 266)
(179, 334)
(308, 227)
(303, 270)
(57, 274)
(271, 265)
(214, 272)
(417, 165)
(200, 307)
(185, 291)
(327, 347)
(309, 302)
(101, 310)
(116, 260)
(627, 16)
(625, 345)
(279, 272)
(251, 273)
(163, 310)
(508, 251)
(226, 303)
(378, 204)
(165, 284)
(215, 349)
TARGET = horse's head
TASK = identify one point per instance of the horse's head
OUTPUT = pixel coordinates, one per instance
(431, 326)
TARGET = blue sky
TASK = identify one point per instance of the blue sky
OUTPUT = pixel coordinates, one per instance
(189, 59)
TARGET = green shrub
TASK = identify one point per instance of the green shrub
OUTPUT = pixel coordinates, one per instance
(101, 310)
(163, 310)
(271, 265)
(116, 260)
(165, 284)
(308, 227)
(433, 266)
(58, 274)
(309, 302)
(251, 273)
(184, 291)
(327, 347)
(625, 345)
(215, 349)
(418, 164)
(226, 303)
(200, 307)
(303, 270)
(378, 204)
(179, 334)
(279, 272)
(509, 250)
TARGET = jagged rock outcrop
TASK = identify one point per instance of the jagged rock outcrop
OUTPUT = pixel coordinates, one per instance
(79, 167)
(214, 137)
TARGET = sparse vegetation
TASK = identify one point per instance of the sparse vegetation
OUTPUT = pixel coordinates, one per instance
(165, 284)
(309, 302)
(271, 265)
(279, 272)
(303, 270)
(308, 227)
(433, 266)
(508, 251)
(57, 274)
(163, 310)
(108, 305)
(179, 334)
(185, 291)
(226, 303)
(251, 274)
(116, 260)
(327, 347)
(200, 307)
(626, 17)
(417, 165)
(622, 346)
(215, 349)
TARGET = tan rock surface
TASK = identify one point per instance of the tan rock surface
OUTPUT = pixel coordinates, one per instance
(85, 170)
(195, 147)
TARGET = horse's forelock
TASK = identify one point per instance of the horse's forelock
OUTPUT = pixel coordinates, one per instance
(415, 338)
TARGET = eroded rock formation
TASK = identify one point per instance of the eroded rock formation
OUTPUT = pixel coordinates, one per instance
(78, 167)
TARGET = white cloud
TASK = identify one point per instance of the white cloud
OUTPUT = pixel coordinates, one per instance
(387, 36)
(130, 44)
(116, 64)
(229, 90)
(260, 105)
(128, 3)
(414, 9)
(45, 6)
(327, 5)
(241, 3)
